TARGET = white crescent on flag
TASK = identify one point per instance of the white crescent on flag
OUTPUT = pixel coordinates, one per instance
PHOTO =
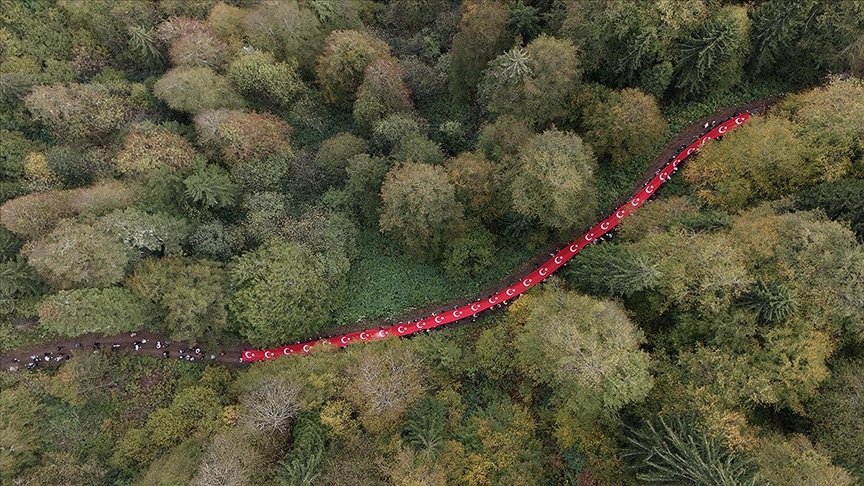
(509, 292)
(722, 130)
(364, 335)
(286, 351)
(268, 355)
(620, 214)
(558, 260)
(589, 237)
(248, 355)
(475, 307)
(543, 271)
(305, 348)
(457, 313)
(604, 225)
(439, 319)
(401, 329)
(527, 282)
(344, 339)
(739, 120)
(493, 299)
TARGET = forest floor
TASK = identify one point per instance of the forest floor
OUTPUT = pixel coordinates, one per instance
(231, 354)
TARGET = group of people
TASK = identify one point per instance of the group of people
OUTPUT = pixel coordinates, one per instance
(37, 359)
(191, 354)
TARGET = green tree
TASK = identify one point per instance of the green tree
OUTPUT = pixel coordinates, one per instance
(196, 89)
(535, 84)
(712, 58)
(470, 253)
(75, 167)
(775, 165)
(623, 126)
(796, 461)
(280, 295)
(210, 186)
(841, 200)
(262, 80)
(21, 440)
(419, 208)
(365, 176)
(289, 29)
(78, 255)
(555, 181)
(192, 296)
(674, 451)
(587, 349)
(143, 232)
(417, 148)
(837, 425)
(335, 152)
(106, 311)
(482, 35)
(341, 66)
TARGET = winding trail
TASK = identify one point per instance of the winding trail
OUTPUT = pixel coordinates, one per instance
(687, 142)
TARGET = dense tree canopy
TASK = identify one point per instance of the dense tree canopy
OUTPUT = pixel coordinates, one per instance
(233, 174)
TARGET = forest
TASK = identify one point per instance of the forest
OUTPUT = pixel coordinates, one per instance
(252, 173)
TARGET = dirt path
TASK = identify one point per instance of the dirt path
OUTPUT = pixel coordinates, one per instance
(14, 360)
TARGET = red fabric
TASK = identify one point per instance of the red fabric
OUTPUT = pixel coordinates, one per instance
(528, 281)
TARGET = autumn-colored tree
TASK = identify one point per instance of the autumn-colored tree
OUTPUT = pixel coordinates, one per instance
(759, 161)
(237, 136)
(341, 66)
(623, 126)
(149, 149)
(478, 186)
(482, 35)
(419, 208)
(536, 83)
(34, 215)
(500, 140)
(196, 89)
(193, 43)
(555, 181)
(80, 113)
(384, 383)
(829, 126)
(382, 92)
